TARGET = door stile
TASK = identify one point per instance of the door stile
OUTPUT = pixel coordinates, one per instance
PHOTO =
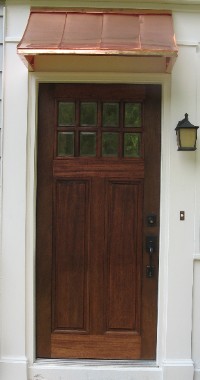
(152, 121)
(44, 215)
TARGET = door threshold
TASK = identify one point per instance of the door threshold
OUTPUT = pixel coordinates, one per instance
(95, 363)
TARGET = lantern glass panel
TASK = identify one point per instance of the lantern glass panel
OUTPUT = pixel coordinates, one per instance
(187, 138)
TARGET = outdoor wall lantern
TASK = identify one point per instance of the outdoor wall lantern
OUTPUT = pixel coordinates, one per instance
(186, 135)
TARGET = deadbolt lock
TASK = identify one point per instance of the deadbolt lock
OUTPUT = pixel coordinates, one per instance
(151, 220)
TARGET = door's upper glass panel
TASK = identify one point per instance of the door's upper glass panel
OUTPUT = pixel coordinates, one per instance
(99, 129)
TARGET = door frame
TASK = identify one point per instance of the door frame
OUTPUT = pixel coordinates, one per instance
(34, 80)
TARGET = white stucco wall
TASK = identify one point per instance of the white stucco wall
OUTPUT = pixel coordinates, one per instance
(179, 272)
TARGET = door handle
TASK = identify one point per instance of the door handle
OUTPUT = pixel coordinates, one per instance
(150, 249)
(150, 244)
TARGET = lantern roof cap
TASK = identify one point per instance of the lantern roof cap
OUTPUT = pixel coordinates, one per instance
(185, 123)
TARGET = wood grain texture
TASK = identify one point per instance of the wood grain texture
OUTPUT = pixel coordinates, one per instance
(152, 120)
(71, 220)
(124, 247)
(44, 215)
(101, 346)
(93, 297)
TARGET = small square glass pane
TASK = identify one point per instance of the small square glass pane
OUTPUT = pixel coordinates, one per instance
(88, 144)
(132, 144)
(132, 117)
(88, 114)
(66, 114)
(110, 144)
(110, 114)
(65, 144)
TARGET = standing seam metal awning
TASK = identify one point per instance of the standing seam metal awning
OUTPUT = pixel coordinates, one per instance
(53, 32)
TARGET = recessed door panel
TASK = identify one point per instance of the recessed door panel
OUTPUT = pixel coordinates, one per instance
(71, 255)
(124, 247)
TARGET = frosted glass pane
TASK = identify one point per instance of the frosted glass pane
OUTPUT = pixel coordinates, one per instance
(132, 117)
(132, 143)
(66, 114)
(88, 114)
(110, 115)
(65, 144)
(110, 144)
(88, 144)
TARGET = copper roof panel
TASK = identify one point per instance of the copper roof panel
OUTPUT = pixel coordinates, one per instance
(82, 32)
(43, 30)
(157, 32)
(120, 31)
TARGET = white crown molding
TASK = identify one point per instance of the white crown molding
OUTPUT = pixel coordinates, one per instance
(185, 5)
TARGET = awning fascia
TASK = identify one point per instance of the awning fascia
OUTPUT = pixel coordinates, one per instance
(112, 34)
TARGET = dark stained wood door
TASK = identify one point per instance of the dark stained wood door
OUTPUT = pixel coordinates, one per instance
(98, 182)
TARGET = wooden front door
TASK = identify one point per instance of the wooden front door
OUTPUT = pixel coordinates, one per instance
(97, 221)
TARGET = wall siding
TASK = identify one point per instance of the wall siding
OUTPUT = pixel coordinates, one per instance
(1, 139)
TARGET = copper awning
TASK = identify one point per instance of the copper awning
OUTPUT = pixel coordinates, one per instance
(61, 32)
